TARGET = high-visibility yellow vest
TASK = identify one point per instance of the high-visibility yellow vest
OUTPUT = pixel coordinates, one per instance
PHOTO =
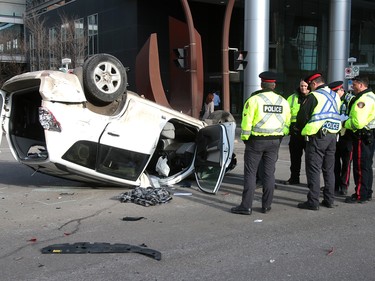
(326, 113)
(294, 106)
(265, 113)
(345, 101)
(362, 113)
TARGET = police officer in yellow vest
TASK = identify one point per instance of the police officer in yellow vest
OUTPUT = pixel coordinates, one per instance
(265, 120)
(297, 142)
(319, 120)
(361, 122)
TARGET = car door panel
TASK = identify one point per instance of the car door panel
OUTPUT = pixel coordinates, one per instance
(127, 143)
(213, 155)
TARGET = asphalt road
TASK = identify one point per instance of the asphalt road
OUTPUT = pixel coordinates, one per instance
(197, 236)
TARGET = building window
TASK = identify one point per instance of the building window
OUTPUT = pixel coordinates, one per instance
(78, 29)
(15, 43)
(33, 65)
(307, 47)
(80, 42)
(92, 26)
(1, 48)
(52, 41)
(64, 31)
(9, 45)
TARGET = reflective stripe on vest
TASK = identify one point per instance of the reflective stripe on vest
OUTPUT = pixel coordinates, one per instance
(245, 133)
(325, 112)
(324, 116)
(371, 124)
(257, 127)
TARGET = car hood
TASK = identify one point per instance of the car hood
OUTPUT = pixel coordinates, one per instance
(53, 85)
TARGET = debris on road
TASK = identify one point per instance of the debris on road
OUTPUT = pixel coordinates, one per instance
(149, 196)
(330, 252)
(99, 248)
(132, 218)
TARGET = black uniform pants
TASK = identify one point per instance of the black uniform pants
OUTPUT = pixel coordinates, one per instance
(343, 161)
(320, 157)
(260, 149)
(297, 145)
(363, 153)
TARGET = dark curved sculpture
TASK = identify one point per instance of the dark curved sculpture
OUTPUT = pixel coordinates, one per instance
(147, 75)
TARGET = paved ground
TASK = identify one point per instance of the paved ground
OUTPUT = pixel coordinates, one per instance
(198, 237)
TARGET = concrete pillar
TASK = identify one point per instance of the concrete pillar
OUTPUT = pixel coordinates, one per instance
(339, 39)
(257, 20)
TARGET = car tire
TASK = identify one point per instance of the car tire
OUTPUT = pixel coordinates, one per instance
(104, 79)
(221, 116)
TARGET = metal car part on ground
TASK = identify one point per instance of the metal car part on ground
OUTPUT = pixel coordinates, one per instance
(99, 248)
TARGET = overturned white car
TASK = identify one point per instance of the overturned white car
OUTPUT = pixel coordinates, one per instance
(86, 126)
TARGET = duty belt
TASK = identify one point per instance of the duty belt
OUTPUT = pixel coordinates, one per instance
(322, 133)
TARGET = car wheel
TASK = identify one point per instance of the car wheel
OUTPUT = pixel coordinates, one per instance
(221, 116)
(104, 79)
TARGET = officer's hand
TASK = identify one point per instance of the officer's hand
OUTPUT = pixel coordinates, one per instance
(294, 131)
(343, 117)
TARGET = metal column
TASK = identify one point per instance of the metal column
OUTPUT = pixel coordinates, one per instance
(339, 39)
(257, 19)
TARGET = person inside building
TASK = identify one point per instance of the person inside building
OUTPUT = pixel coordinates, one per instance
(208, 106)
(265, 120)
(319, 121)
(361, 122)
(344, 146)
(296, 142)
(217, 100)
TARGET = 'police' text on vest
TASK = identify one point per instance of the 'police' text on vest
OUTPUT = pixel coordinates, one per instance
(272, 109)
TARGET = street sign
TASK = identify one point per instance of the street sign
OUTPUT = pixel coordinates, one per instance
(355, 70)
(349, 73)
(350, 85)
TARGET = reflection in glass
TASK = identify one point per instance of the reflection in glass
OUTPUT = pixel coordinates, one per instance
(121, 163)
(307, 47)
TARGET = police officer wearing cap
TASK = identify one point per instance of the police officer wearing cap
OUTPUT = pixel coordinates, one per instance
(265, 120)
(344, 146)
(319, 121)
(361, 122)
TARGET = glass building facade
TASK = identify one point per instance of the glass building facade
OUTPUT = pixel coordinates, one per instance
(290, 37)
(302, 31)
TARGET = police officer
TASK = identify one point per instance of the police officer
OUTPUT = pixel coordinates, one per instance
(344, 146)
(319, 120)
(362, 123)
(265, 120)
(296, 141)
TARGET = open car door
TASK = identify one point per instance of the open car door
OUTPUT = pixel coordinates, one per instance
(214, 152)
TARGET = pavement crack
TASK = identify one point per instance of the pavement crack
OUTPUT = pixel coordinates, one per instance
(79, 220)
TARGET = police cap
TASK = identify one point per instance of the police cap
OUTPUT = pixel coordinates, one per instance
(312, 77)
(268, 77)
(361, 79)
(334, 86)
